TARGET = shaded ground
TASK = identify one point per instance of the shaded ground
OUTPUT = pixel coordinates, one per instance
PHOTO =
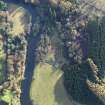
(61, 93)
(30, 65)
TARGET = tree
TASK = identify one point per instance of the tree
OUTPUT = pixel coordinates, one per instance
(3, 5)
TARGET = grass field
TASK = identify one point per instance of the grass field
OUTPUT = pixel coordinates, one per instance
(2, 57)
(47, 87)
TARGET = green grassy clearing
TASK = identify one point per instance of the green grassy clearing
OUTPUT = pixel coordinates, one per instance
(47, 87)
(2, 56)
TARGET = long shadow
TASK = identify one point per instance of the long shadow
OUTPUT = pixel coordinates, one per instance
(30, 65)
(60, 96)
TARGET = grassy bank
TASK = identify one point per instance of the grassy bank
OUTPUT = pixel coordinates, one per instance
(2, 57)
(47, 86)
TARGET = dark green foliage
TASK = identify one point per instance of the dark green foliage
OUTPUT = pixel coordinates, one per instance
(3, 5)
(3, 103)
(74, 1)
(96, 30)
(75, 77)
(15, 44)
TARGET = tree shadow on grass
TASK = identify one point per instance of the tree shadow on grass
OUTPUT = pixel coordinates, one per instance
(61, 96)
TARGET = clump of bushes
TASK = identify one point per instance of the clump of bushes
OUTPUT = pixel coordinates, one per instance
(3, 5)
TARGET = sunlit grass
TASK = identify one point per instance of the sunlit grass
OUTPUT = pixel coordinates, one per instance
(7, 97)
(45, 86)
(2, 56)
